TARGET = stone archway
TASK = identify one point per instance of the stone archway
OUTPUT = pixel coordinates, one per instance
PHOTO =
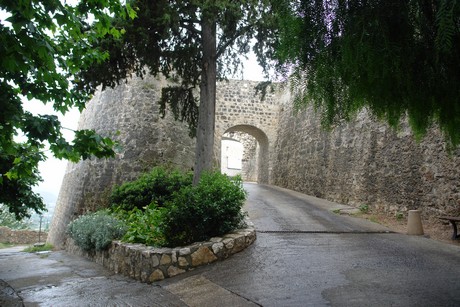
(262, 149)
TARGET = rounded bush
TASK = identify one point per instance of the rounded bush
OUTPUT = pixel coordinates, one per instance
(96, 231)
(197, 213)
(154, 188)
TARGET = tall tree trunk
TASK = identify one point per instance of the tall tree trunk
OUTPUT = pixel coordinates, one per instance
(207, 109)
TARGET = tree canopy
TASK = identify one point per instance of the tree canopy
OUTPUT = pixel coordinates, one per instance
(394, 57)
(192, 43)
(43, 45)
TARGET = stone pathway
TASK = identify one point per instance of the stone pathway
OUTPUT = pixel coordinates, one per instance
(61, 279)
(200, 291)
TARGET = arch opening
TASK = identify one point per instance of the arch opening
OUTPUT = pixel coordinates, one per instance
(244, 151)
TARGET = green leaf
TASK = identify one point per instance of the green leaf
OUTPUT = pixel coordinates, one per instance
(131, 12)
(11, 175)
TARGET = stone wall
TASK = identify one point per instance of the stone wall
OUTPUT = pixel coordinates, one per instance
(129, 113)
(8, 235)
(149, 264)
(366, 162)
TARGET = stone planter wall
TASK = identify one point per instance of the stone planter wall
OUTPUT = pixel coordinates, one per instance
(148, 264)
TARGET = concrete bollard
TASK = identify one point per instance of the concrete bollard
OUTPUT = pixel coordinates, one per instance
(414, 223)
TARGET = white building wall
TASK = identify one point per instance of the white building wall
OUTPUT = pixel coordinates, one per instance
(231, 157)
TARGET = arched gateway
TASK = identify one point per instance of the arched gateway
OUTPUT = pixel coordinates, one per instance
(240, 109)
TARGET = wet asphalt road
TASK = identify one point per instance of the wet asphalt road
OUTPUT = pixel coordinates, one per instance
(304, 255)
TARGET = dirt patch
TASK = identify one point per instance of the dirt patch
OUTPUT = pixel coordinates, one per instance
(433, 228)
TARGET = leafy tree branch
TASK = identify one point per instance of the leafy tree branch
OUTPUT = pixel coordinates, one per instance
(44, 44)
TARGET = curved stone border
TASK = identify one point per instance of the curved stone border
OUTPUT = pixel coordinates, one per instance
(149, 264)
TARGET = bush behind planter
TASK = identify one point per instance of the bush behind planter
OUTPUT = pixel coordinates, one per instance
(142, 226)
(211, 208)
(188, 214)
(153, 188)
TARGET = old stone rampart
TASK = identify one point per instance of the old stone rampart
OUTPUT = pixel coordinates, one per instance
(364, 162)
(240, 109)
(130, 114)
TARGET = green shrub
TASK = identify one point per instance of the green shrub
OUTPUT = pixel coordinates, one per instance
(364, 208)
(399, 215)
(39, 248)
(155, 187)
(196, 213)
(96, 231)
(143, 226)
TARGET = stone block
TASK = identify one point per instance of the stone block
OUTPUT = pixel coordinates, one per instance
(156, 275)
(184, 251)
(182, 261)
(173, 271)
(239, 244)
(203, 256)
(154, 261)
(217, 247)
(165, 259)
(229, 243)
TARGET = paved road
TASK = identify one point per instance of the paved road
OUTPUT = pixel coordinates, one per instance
(308, 256)
(304, 255)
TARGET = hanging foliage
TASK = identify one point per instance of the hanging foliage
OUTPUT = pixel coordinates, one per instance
(394, 57)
